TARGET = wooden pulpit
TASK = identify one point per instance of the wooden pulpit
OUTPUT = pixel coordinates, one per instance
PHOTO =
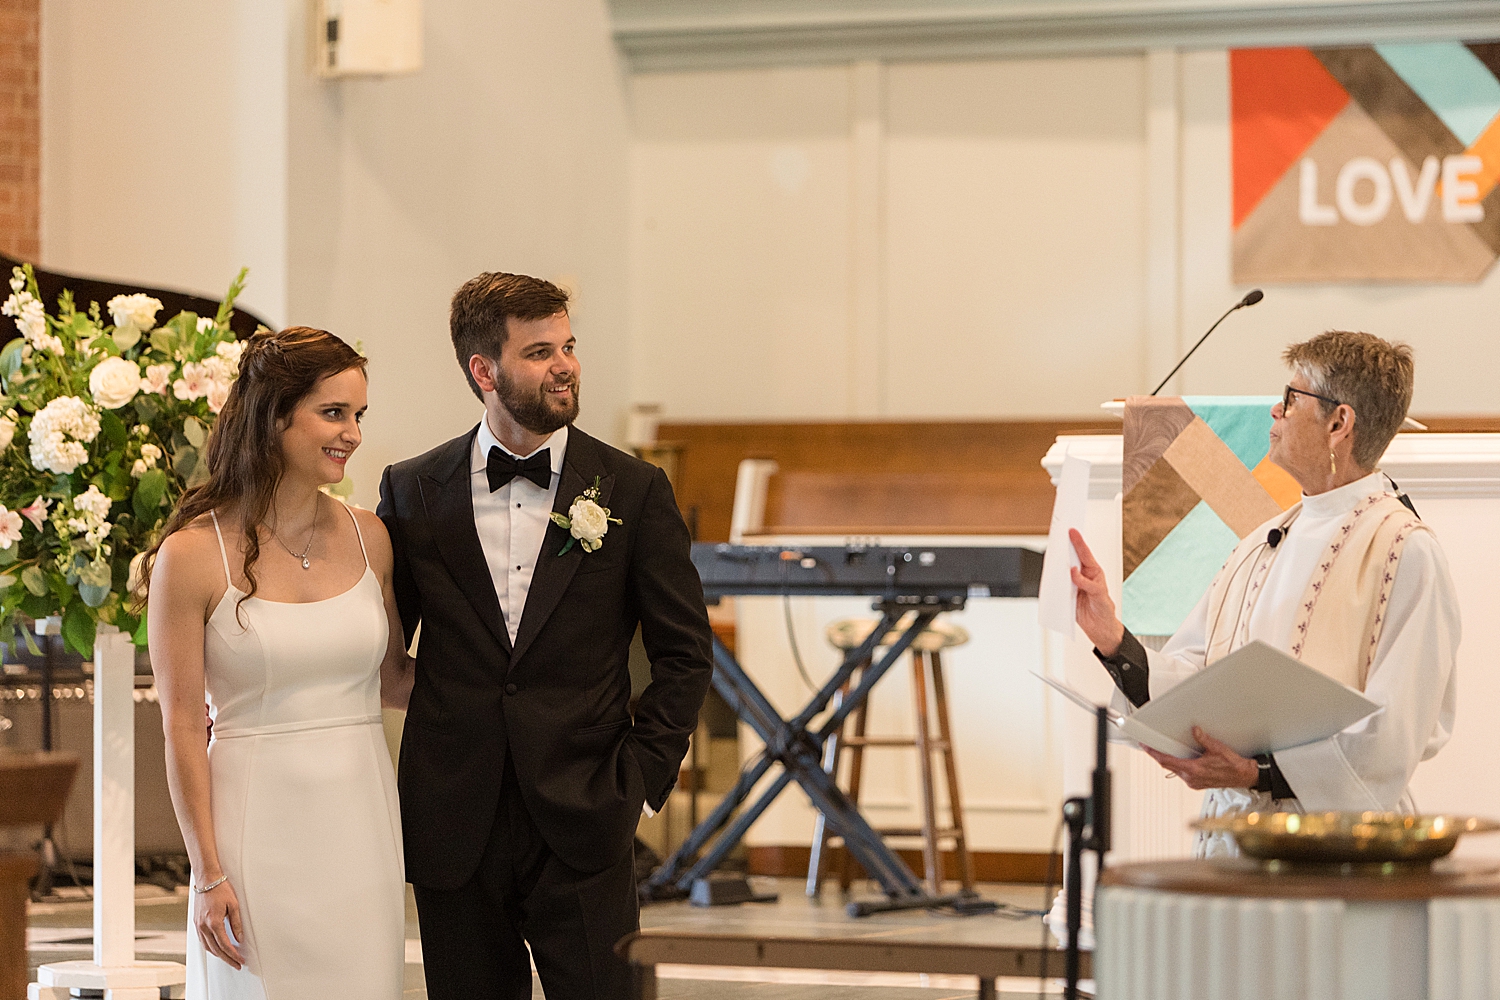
(33, 789)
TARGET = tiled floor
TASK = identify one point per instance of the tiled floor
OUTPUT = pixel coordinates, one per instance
(61, 932)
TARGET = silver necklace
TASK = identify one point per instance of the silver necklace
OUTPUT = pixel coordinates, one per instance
(306, 563)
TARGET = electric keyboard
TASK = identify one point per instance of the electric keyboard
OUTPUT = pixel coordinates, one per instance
(935, 572)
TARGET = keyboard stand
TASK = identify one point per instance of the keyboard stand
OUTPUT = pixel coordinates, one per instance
(789, 742)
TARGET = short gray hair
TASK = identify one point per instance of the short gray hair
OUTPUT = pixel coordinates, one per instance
(1373, 377)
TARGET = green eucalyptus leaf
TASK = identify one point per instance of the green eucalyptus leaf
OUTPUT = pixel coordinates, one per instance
(127, 338)
(7, 581)
(185, 462)
(78, 628)
(96, 574)
(93, 595)
(31, 645)
(199, 476)
(147, 407)
(10, 359)
(35, 580)
(114, 428)
(194, 431)
(164, 341)
(8, 556)
(148, 495)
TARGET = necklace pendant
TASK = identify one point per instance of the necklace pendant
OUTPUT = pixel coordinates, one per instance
(306, 564)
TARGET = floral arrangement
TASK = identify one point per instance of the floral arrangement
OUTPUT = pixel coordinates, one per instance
(102, 426)
(586, 522)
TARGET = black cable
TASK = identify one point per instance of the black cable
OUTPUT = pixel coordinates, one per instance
(1052, 856)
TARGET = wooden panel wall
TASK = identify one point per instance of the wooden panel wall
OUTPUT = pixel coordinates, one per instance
(979, 477)
(867, 478)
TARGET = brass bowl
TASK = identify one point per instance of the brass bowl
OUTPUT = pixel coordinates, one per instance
(1345, 837)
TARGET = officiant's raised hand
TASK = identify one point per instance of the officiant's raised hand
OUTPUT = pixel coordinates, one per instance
(1096, 609)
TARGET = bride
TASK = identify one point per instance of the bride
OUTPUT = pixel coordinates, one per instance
(273, 601)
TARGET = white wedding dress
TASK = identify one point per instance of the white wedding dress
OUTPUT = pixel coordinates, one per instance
(304, 798)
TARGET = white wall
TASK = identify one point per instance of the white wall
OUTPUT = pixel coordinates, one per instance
(181, 142)
(1010, 229)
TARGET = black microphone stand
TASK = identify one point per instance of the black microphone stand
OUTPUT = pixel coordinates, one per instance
(1254, 296)
(1088, 822)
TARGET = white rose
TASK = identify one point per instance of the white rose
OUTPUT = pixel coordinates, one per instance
(134, 312)
(7, 432)
(588, 523)
(114, 382)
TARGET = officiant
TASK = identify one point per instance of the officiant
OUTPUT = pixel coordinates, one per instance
(1349, 581)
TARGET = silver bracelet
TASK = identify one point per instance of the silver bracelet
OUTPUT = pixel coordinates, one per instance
(212, 885)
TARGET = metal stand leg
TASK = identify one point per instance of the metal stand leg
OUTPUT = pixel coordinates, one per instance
(800, 753)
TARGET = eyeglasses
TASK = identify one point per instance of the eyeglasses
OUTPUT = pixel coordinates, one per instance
(1286, 398)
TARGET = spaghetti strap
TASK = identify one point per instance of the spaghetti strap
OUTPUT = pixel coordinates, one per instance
(228, 580)
(361, 534)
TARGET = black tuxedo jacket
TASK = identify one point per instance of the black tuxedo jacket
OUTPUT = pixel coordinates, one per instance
(557, 702)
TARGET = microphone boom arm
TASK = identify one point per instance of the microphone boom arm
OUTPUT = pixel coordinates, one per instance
(1249, 300)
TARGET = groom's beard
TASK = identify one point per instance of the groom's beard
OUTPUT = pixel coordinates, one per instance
(534, 409)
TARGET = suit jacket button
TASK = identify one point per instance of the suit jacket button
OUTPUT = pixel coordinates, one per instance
(510, 689)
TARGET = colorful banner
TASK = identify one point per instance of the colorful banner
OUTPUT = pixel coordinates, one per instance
(1195, 480)
(1371, 163)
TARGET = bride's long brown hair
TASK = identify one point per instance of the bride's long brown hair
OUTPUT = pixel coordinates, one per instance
(243, 453)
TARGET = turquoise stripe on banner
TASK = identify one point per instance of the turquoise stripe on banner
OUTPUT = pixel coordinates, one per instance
(1169, 581)
(1451, 81)
(1242, 422)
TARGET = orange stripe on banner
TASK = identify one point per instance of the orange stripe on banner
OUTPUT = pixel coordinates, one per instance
(1280, 101)
(1278, 482)
(1487, 148)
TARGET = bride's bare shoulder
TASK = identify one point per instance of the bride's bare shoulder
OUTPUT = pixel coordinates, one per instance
(192, 550)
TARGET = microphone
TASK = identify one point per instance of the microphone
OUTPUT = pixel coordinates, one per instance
(1275, 535)
(1251, 297)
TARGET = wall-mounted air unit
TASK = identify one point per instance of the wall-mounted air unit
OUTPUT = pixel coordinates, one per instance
(368, 37)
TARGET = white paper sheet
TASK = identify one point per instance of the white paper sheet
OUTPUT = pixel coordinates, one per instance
(1057, 604)
(1257, 700)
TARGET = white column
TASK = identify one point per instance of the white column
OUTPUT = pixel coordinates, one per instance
(114, 969)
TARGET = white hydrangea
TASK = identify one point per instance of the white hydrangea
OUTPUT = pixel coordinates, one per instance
(83, 517)
(59, 432)
(230, 351)
(91, 501)
(31, 320)
(134, 312)
(205, 324)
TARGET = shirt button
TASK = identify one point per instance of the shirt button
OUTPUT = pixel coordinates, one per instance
(510, 689)
(518, 567)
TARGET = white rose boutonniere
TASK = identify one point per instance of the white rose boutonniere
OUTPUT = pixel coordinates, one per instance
(586, 522)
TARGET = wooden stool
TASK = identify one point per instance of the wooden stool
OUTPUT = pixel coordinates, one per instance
(925, 659)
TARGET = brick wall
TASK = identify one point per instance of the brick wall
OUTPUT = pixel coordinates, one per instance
(20, 128)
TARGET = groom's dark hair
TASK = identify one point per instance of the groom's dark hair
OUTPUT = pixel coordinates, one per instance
(480, 309)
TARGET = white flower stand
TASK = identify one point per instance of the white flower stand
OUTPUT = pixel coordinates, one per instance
(114, 973)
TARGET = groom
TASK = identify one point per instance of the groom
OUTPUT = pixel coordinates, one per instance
(522, 771)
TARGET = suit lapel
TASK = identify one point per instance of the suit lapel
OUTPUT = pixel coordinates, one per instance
(450, 510)
(554, 572)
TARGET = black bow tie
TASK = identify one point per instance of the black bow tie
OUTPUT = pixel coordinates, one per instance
(502, 468)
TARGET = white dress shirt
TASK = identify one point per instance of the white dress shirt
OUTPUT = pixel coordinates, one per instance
(512, 521)
(1412, 677)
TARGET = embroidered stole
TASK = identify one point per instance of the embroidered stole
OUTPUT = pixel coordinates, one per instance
(1337, 626)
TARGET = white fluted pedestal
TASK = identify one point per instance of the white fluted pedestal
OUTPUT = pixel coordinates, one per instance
(1232, 930)
(115, 973)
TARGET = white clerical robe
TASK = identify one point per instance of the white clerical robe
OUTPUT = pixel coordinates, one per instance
(1412, 677)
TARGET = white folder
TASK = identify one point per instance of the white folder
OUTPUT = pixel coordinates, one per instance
(1257, 699)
